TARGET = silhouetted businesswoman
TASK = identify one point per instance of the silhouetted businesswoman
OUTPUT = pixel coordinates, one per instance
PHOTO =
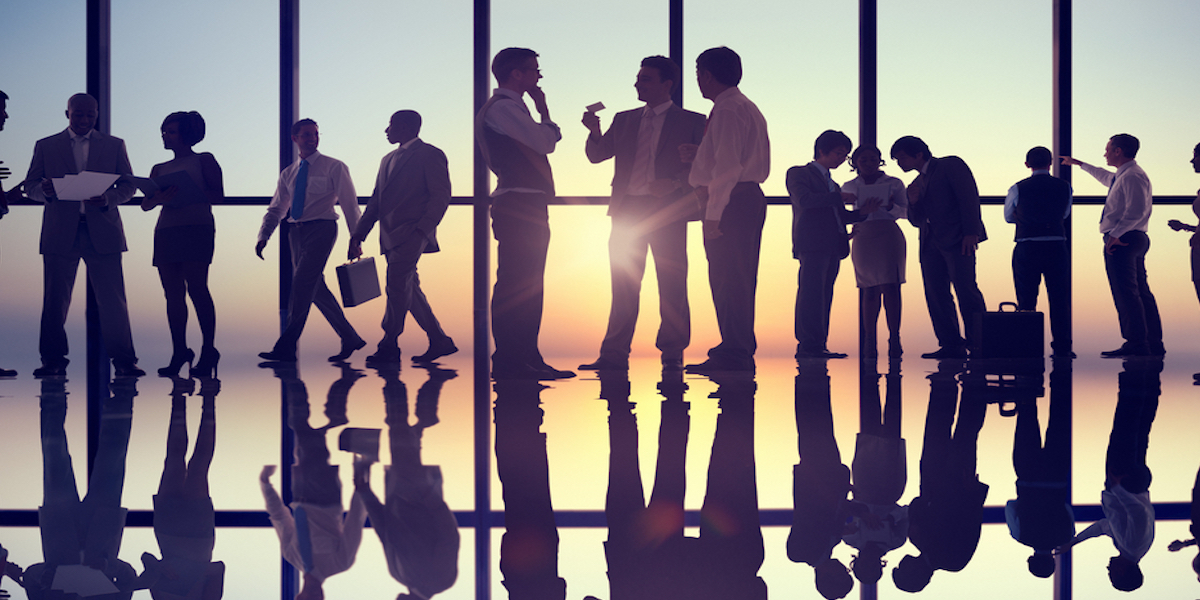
(411, 195)
(90, 230)
(650, 208)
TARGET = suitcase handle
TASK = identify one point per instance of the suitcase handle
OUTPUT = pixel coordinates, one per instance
(1013, 305)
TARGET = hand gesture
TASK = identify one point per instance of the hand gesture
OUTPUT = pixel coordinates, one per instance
(4, 171)
(712, 229)
(1177, 225)
(591, 120)
(258, 248)
(267, 472)
(48, 188)
(1110, 242)
(96, 201)
(355, 250)
(1067, 160)
(969, 244)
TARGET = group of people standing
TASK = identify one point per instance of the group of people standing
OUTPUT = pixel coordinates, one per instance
(672, 166)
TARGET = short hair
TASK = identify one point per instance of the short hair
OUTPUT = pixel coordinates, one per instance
(298, 125)
(1126, 579)
(508, 59)
(1127, 143)
(831, 140)
(1039, 157)
(409, 118)
(667, 69)
(1041, 565)
(724, 64)
(1195, 150)
(191, 126)
(868, 565)
(833, 581)
(912, 146)
(859, 151)
(80, 96)
(912, 574)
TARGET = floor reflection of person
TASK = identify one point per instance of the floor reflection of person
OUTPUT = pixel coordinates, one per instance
(880, 473)
(184, 241)
(647, 552)
(529, 546)
(945, 520)
(1041, 516)
(820, 484)
(1128, 512)
(83, 538)
(415, 526)
(314, 536)
(184, 518)
(16, 194)
(1193, 528)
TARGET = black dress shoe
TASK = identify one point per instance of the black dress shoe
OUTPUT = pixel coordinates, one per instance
(606, 364)
(278, 356)
(127, 370)
(385, 356)
(50, 371)
(537, 373)
(436, 351)
(1127, 350)
(348, 348)
(947, 352)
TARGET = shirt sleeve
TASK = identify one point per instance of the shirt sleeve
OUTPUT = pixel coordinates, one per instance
(281, 202)
(508, 119)
(347, 197)
(727, 145)
(352, 527)
(282, 520)
(1010, 205)
(1104, 176)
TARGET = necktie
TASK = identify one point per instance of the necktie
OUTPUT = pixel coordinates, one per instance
(80, 156)
(303, 538)
(301, 190)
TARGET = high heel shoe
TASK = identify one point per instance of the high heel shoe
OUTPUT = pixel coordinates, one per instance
(207, 365)
(177, 360)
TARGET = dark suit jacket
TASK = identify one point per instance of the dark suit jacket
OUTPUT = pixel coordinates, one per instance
(949, 207)
(679, 127)
(413, 198)
(816, 211)
(54, 157)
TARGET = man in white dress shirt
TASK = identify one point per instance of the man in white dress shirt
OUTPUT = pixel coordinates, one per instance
(516, 149)
(730, 163)
(1123, 222)
(306, 195)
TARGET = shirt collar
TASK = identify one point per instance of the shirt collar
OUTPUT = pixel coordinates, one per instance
(657, 110)
(311, 157)
(924, 168)
(75, 136)
(1041, 171)
(507, 92)
(820, 167)
(408, 144)
(1125, 167)
(727, 95)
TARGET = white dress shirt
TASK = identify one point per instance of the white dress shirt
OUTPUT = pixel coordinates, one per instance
(329, 183)
(334, 540)
(735, 149)
(514, 120)
(649, 131)
(1130, 198)
(894, 207)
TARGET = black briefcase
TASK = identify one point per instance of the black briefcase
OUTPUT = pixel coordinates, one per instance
(1009, 334)
(359, 281)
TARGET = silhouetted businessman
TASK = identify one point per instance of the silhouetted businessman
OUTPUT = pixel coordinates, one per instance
(412, 192)
(819, 239)
(516, 149)
(943, 201)
(4, 172)
(650, 207)
(415, 526)
(732, 161)
(1123, 222)
(1039, 206)
(945, 520)
(306, 194)
(89, 230)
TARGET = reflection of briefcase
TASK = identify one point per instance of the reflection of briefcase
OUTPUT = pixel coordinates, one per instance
(1009, 334)
(359, 281)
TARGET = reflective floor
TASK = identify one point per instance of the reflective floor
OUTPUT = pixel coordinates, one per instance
(612, 485)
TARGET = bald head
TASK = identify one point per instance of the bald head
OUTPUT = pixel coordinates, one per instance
(82, 111)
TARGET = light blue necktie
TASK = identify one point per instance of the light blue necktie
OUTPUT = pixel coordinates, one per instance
(303, 538)
(301, 190)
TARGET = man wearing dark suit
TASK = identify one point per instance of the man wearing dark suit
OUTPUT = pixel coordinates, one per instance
(90, 230)
(819, 240)
(411, 195)
(3, 195)
(650, 208)
(944, 204)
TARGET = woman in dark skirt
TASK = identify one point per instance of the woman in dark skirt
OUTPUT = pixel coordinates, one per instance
(184, 239)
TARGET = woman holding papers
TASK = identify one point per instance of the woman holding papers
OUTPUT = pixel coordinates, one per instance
(878, 247)
(184, 238)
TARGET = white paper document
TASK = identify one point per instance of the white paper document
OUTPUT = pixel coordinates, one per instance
(878, 190)
(83, 186)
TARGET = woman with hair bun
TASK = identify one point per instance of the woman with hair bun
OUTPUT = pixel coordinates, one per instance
(184, 239)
